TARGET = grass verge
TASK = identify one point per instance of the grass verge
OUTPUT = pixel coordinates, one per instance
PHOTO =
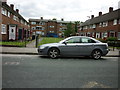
(19, 44)
(47, 40)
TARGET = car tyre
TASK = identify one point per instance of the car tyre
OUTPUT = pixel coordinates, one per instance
(96, 54)
(53, 53)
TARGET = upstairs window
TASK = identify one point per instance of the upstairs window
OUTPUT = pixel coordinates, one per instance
(4, 11)
(52, 26)
(33, 23)
(94, 26)
(105, 24)
(115, 22)
(100, 24)
(8, 14)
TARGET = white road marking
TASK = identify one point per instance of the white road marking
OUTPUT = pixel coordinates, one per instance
(11, 63)
(92, 84)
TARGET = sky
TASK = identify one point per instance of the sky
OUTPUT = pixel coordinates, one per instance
(69, 10)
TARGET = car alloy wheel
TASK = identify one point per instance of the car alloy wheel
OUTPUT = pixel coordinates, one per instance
(53, 53)
(96, 54)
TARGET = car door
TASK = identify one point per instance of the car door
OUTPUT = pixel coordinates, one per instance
(86, 46)
(71, 47)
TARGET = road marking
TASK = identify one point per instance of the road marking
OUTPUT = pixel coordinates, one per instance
(93, 84)
(11, 63)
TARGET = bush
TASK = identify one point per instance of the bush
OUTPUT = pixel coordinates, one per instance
(112, 39)
(102, 40)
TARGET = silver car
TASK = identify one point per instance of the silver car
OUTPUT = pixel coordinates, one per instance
(75, 46)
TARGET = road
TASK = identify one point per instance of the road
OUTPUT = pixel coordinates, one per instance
(27, 71)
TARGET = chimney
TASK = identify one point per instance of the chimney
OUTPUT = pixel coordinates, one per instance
(62, 19)
(41, 18)
(92, 16)
(12, 6)
(111, 9)
(17, 10)
(100, 13)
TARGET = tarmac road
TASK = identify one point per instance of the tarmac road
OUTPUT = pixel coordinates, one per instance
(32, 71)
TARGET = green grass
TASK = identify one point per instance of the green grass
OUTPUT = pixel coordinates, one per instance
(21, 44)
(50, 40)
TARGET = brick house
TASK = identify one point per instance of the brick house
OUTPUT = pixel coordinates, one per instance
(13, 25)
(102, 26)
(47, 26)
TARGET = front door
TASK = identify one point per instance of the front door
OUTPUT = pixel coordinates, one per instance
(12, 32)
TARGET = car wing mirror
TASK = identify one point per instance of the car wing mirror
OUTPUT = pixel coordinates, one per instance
(65, 43)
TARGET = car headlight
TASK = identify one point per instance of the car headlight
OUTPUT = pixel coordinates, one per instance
(42, 47)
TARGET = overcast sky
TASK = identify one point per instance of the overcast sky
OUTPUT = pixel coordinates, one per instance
(70, 10)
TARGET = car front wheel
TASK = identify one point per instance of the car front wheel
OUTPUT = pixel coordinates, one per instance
(53, 53)
(96, 54)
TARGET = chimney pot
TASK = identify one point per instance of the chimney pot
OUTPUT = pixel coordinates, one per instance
(111, 9)
(62, 19)
(12, 6)
(92, 16)
(41, 18)
(17, 10)
(100, 13)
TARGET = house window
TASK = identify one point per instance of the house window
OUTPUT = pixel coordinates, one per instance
(115, 22)
(97, 35)
(43, 28)
(100, 25)
(42, 23)
(33, 28)
(112, 34)
(104, 35)
(94, 26)
(52, 26)
(4, 11)
(8, 14)
(3, 29)
(105, 24)
(33, 23)
(43, 33)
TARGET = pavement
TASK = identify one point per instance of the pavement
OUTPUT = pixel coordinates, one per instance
(31, 50)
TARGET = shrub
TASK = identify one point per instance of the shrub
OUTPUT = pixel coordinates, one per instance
(112, 39)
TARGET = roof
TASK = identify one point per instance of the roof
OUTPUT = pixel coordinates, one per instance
(105, 17)
(47, 20)
(7, 7)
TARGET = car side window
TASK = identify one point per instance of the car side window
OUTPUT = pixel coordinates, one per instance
(87, 40)
(74, 40)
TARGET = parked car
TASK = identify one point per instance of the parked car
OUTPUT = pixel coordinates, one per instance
(75, 46)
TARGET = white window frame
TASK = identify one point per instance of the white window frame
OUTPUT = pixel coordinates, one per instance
(100, 24)
(3, 29)
(115, 22)
(52, 26)
(8, 14)
(33, 23)
(104, 35)
(98, 34)
(94, 26)
(105, 24)
(33, 28)
(4, 11)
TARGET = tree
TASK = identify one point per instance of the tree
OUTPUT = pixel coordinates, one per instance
(69, 30)
(76, 26)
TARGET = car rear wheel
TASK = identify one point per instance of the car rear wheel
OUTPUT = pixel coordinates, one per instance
(96, 54)
(53, 53)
